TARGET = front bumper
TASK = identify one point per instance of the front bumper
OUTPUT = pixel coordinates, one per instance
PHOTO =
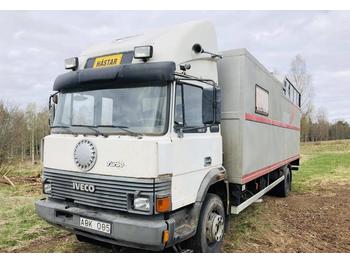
(127, 229)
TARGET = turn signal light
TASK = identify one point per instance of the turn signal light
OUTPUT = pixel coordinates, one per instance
(165, 236)
(163, 204)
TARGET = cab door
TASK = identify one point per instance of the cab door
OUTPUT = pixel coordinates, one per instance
(197, 147)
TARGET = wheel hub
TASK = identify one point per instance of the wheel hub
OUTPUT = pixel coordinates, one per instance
(215, 227)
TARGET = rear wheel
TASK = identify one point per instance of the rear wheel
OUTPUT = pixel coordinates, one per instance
(283, 188)
(211, 226)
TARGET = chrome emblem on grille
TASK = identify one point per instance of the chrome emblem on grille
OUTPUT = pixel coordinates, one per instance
(83, 187)
(117, 164)
(85, 155)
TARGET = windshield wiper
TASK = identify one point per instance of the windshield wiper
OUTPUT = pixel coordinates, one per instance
(67, 127)
(180, 129)
(91, 128)
(124, 128)
(187, 128)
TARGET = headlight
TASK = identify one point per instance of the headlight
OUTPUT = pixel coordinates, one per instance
(47, 188)
(142, 204)
(143, 52)
(71, 63)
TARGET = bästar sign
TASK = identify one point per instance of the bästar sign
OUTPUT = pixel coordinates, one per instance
(158, 138)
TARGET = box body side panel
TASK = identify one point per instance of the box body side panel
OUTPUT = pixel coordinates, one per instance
(267, 139)
(229, 69)
(254, 142)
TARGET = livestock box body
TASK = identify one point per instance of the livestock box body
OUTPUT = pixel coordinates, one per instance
(260, 118)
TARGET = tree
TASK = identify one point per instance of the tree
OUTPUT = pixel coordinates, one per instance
(340, 130)
(42, 128)
(21, 132)
(303, 82)
(322, 126)
(31, 122)
(305, 127)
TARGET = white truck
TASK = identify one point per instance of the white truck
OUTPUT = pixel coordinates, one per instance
(157, 138)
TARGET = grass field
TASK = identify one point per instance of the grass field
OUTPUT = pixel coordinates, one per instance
(20, 228)
(323, 163)
(320, 191)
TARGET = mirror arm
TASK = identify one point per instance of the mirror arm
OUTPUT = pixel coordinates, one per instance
(180, 133)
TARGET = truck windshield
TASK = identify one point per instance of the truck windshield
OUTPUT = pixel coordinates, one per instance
(136, 110)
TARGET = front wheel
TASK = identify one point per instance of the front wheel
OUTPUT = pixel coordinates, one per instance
(211, 226)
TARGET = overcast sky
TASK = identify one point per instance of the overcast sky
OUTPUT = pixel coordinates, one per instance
(34, 44)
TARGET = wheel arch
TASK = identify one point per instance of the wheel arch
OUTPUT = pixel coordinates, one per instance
(215, 182)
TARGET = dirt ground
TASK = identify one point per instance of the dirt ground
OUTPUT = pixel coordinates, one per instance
(303, 222)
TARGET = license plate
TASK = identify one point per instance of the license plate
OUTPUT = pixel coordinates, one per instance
(109, 60)
(95, 225)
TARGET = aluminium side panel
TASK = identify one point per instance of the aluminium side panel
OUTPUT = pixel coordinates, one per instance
(251, 147)
(272, 139)
(262, 143)
(229, 72)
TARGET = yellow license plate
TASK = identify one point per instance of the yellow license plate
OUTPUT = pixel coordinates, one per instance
(110, 60)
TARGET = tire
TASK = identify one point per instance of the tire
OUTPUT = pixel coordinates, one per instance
(211, 227)
(290, 180)
(283, 188)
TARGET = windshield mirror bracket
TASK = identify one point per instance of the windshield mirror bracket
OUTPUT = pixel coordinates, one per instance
(180, 132)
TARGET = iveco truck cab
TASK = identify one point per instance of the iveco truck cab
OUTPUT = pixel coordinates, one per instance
(138, 135)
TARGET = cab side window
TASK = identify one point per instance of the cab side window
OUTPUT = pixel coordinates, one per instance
(193, 105)
(179, 117)
(188, 106)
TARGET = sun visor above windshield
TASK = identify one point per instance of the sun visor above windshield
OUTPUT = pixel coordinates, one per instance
(116, 77)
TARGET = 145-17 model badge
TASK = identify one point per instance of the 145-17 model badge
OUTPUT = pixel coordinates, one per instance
(116, 164)
(85, 155)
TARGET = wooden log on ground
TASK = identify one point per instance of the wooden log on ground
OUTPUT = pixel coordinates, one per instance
(4, 176)
(8, 180)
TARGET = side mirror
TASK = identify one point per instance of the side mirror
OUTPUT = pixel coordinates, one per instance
(208, 105)
(53, 100)
(52, 111)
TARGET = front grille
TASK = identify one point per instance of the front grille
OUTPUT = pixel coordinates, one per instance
(111, 192)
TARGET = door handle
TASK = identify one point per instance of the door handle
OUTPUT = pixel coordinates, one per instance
(207, 161)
